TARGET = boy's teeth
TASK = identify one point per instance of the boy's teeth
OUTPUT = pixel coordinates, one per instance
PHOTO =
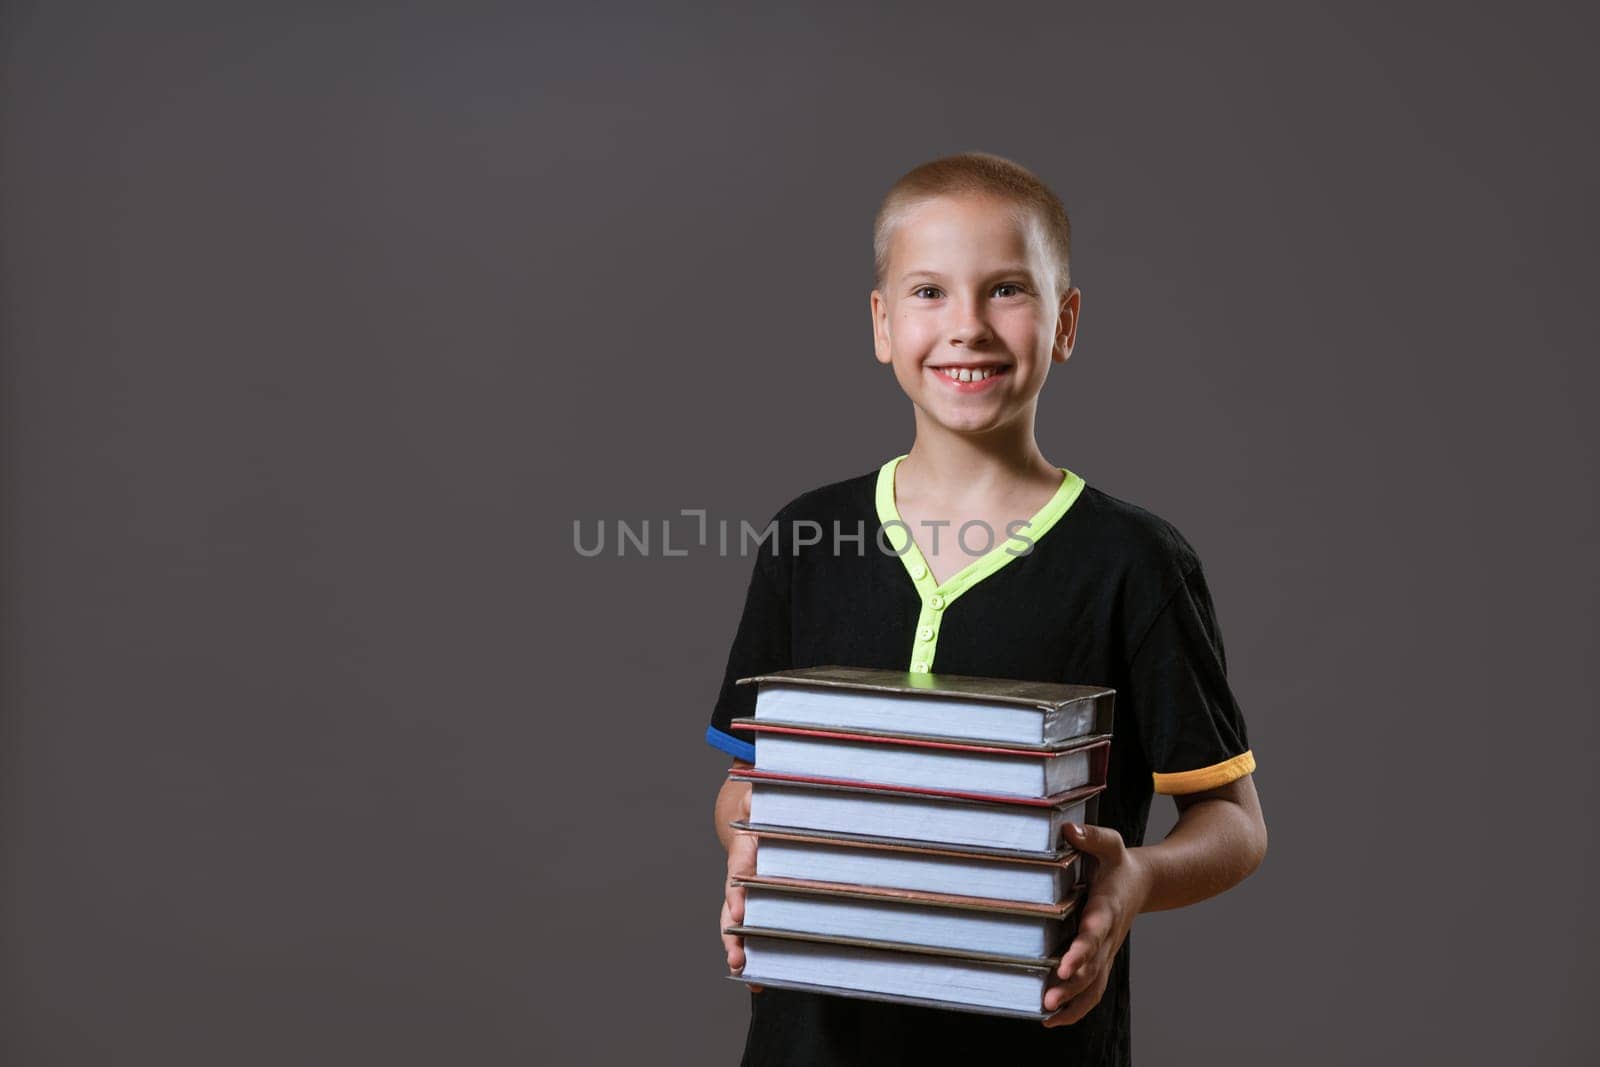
(966, 374)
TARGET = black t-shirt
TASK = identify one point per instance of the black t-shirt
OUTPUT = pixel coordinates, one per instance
(1094, 591)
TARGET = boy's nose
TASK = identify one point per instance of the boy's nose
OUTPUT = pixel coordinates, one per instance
(970, 328)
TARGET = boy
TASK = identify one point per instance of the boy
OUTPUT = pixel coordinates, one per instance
(971, 306)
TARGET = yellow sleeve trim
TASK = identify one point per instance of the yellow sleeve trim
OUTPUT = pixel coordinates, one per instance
(1206, 777)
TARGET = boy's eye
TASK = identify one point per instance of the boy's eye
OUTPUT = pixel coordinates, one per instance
(999, 289)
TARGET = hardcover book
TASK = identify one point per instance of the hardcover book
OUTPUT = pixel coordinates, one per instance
(907, 865)
(959, 707)
(899, 759)
(939, 817)
(988, 983)
(933, 920)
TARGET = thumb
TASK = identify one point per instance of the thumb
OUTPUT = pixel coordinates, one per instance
(1101, 841)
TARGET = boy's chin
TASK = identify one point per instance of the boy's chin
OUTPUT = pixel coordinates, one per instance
(969, 424)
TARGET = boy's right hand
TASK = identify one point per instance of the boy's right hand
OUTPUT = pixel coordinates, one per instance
(741, 861)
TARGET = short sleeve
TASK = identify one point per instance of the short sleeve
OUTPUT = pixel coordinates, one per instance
(1191, 726)
(760, 645)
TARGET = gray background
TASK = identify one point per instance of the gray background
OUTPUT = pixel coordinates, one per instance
(321, 326)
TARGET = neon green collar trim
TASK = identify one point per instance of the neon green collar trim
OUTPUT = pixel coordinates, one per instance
(936, 596)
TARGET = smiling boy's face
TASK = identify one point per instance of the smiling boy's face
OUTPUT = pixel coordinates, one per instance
(970, 293)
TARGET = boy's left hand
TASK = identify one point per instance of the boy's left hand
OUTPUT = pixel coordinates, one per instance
(1117, 892)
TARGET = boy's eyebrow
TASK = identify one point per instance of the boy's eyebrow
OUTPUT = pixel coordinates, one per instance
(1017, 270)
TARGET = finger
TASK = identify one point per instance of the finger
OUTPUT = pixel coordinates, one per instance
(1058, 992)
(1086, 945)
(1069, 1009)
(1076, 953)
(1099, 841)
(1076, 1008)
(1097, 921)
(742, 855)
(1085, 953)
(732, 944)
(733, 948)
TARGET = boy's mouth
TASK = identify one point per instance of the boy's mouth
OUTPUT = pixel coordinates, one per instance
(970, 374)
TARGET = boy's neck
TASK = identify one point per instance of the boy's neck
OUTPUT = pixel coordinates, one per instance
(947, 462)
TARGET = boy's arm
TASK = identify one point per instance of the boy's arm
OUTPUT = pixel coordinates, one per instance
(1218, 842)
(1219, 839)
(733, 802)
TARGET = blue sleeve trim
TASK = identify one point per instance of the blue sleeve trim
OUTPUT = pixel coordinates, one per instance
(744, 750)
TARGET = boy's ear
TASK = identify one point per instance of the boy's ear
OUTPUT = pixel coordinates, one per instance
(880, 327)
(1067, 325)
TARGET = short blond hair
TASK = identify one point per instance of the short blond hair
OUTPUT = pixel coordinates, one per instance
(975, 173)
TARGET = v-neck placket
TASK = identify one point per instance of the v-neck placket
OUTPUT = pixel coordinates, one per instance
(936, 597)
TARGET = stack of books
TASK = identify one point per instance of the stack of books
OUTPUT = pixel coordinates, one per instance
(909, 831)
